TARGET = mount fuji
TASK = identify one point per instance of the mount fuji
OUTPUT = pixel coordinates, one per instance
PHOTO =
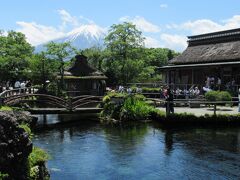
(86, 36)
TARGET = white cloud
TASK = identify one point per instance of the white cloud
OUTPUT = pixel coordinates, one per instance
(142, 24)
(176, 42)
(67, 19)
(201, 26)
(37, 34)
(206, 25)
(233, 22)
(87, 20)
(151, 42)
(163, 6)
(4, 33)
(196, 27)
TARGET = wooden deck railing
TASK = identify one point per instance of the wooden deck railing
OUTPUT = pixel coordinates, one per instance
(194, 101)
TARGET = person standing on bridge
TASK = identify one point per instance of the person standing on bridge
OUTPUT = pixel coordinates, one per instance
(17, 85)
(28, 85)
(23, 85)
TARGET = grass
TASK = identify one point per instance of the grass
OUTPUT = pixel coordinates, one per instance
(36, 160)
(27, 129)
(37, 157)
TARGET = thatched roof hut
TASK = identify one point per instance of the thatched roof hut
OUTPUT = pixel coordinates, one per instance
(214, 54)
(81, 78)
(212, 47)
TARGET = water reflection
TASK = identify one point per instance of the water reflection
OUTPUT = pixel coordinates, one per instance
(89, 150)
(168, 142)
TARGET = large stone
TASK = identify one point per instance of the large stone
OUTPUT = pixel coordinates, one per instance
(15, 147)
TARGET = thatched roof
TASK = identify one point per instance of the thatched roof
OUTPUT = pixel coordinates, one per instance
(81, 70)
(221, 46)
(81, 67)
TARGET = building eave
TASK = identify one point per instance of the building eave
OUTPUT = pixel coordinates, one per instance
(198, 65)
(84, 77)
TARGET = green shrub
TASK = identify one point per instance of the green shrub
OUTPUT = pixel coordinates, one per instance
(136, 108)
(37, 157)
(224, 96)
(36, 161)
(218, 96)
(5, 108)
(106, 99)
(134, 89)
(127, 107)
(52, 88)
(3, 176)
(150, 90)
(27, 129)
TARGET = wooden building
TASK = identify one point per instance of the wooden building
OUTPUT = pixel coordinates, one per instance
(208, 55)
(81, 79)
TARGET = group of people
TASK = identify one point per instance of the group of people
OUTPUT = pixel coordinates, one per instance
(212, 83)
(15, 85)
(22, 84)
(194, 91)
(128, 90)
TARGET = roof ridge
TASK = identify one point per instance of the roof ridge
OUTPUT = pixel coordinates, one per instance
(218, 33)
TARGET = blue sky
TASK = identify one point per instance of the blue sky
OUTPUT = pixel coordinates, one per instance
(163, 23)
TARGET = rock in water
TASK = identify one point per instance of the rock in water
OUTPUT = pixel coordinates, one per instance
(15, 147)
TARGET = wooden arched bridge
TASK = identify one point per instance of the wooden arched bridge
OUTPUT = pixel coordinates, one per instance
(83, 103)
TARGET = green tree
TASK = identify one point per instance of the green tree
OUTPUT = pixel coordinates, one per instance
(15, 52)
(125, 43)
(60, 52)
(95, 56)
(170, 54)
(43, 69)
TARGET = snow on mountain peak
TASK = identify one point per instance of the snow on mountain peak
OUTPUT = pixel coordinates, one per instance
(85, 36)
(89, 31)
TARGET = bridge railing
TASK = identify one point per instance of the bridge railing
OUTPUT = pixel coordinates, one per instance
(29, 94)
(14, 92)
(18, 91)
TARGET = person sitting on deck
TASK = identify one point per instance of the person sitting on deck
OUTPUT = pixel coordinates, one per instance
(219, 83)
(206, 89)
(196, 91)
(139, 90)
(121, 89)
(129, 90)
(178, 92)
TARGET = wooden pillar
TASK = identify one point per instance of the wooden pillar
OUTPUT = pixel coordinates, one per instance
(215, 109)
(1, 102)
(168, 76)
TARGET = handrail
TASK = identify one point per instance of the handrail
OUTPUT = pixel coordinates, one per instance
(19, 95)
(17, 90)
(200, 101)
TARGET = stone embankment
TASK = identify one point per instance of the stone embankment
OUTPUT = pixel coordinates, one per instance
(15, 146)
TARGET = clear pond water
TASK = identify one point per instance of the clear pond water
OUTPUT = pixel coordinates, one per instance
(89, 150)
